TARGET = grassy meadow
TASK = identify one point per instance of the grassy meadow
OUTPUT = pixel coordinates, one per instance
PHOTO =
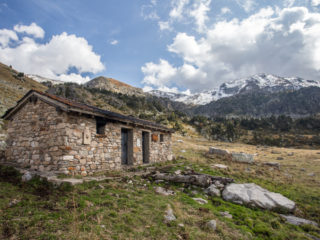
(127, 206)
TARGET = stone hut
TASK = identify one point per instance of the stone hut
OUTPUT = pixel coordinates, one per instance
(50, 133)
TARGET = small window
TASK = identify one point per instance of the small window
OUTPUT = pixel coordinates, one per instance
(161, 138)
(101, 124)
(154, 137)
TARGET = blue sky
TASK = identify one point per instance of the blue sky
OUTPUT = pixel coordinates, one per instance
(170, 45)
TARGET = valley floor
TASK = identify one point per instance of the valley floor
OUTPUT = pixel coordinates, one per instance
(128, 208)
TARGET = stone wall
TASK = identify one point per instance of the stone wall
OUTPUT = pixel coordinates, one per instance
(44, 139)
(36, 137)
(103, 151)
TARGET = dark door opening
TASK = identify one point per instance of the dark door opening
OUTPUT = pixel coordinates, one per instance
(145, 147)
(126, 146)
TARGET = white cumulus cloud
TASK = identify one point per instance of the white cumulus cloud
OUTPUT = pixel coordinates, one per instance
(315, 3)
(285, 42)
(6, 36)
(54, 59)
(32, 29)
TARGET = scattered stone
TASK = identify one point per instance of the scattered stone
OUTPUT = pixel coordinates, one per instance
(218, 151)
(242, 157)
(181, 225)
(194, 192)
(179, 140)
(219, 185)
(312, 174)
(101, 186)
(298, 221)
(183, 151)
(290, 154)
(26, 177)
(212, 225)
(220, 166)
(178, 172)
(213, 191)
(130, 182)
(164, 192)
(200, 200)
(253, 195)
(159, 181)
(272, 164)
(169, 216)
(226, 214)
(302, 169)
(13, 202)
(275, 152)
(280, 158)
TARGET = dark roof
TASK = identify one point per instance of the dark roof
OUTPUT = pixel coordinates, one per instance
(91, 110)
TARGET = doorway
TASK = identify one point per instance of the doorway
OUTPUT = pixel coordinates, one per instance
(145, 147)
(126, 146)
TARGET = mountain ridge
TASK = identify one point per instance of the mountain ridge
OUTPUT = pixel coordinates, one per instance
(266, 82)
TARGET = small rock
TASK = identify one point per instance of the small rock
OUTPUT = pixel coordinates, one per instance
(302, 169)
(218, 151)
(242, 157)
(13, 202)
(200, 200)
(226, 214)
(181, 225)
(213, 191)
(219, 185)
(194, 192)
(212, 225)
(130, 182)
(272, 164)
(159, 181)
(169, 216)
(26, 177)
(290, 154)
(275, 152)
(179, 140)
(178, 172)
(101, 186)
(298, 221)
(220, 166)
(280, 158)
(164, 192)
(312, 174)
(183, 151)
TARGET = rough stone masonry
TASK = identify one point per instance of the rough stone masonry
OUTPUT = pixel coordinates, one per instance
(43, 136)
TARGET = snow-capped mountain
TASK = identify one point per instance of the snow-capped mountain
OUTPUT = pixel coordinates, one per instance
(266, 82)
(43, 79)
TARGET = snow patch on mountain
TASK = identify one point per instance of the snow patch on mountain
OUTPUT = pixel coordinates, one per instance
(266, 82)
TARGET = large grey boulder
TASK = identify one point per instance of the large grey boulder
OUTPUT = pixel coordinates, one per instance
(242, 157)
(253, 195)
(298, 221)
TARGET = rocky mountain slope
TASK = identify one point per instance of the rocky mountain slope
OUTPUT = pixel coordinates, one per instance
(13, 85)
(110, 84)
(294, 103)
(266, 83)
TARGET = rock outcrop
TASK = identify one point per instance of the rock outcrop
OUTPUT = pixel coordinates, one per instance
(252, 195)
